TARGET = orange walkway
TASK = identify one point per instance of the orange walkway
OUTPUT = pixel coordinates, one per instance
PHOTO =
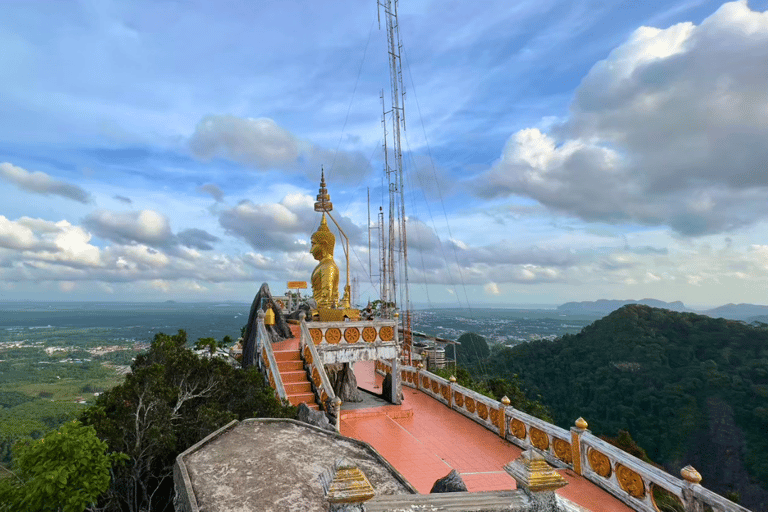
(436, 439)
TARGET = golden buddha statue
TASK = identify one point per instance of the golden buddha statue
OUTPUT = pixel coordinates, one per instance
(325, 277)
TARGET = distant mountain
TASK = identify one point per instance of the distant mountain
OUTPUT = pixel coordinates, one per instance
(738, 312)
(605, 306)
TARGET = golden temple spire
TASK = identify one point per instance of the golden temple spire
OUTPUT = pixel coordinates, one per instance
(323, 203)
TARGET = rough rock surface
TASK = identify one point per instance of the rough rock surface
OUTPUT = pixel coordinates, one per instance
(451, 482)
(313, 417)
(343, 381)
(278, 332)
(386, 388)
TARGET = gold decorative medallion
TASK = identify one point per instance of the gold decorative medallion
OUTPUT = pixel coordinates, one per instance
(272, 381)
(599, 462)
(369, 334)
(539, 439)
(435, 387)
(494, 416)
(469, 404)
(402, 374)
(445, 391)
(264, 357)
(308, 355)
(425, 382)
(482, 410)
(386, 333)
(630, 481)
(517, 428)
(562, 450)
(323, 397)
(333, 335)
(458, 398)
(316, 377)
(351, 334)
(317, 335)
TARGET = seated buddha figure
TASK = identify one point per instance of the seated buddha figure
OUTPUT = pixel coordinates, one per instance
(325, 277)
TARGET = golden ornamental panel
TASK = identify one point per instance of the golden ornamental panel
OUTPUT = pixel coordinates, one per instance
(469, 404)
(517, 428)
(333, 335)
(458, 398)
(351, 334)
(308, 355)
(316, 377)
(630, 481)
(409, 377)
(435, 387)
(562, 450)
(495, 416)
(369, 334)
(316, 335)
(445, 391)
(387, 333)
(599, 462)
(482, 411)
(272, 381)
(402, 374)
(425, 382)
(323, 397)
(539, 439)
(264, 357)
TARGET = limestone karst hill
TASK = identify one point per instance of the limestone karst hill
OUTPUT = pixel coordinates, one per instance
(690, 389)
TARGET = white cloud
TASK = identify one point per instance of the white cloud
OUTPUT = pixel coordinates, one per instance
(670, 129)
(14, 235)
(42, 183)
(492, 289)
(145, 226)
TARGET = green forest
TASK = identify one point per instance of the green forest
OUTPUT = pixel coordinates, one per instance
(690, 389)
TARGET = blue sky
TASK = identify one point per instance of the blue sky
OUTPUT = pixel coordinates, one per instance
(554, 151)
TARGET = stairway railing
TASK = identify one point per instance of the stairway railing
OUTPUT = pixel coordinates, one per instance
(321, 385)
(268, 363)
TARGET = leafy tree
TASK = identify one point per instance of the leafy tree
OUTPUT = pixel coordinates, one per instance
(171, 399)
(472, 349)
(64, 472)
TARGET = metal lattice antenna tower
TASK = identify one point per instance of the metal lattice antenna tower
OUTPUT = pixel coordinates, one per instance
(395, 176)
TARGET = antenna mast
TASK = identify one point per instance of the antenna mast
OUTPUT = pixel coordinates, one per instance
(395, 176)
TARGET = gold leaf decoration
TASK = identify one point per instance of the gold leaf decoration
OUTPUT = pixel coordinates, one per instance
(316, 377)
(425, 382)
(494, 416)
(351, 334)
(459, 399)
(333, 335)
(307, 355)
(599, 462)
(469, 404)
(435, 386)
(316, 335)
(369, 334)
(386, 333)
(517, 428)
(630, 481)
(539, 439)
(445, 391)
(264, 357)
(482, 410)
(562, 450)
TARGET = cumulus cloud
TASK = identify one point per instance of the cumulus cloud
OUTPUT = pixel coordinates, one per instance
(491, 289)
(283, 226)
(145, 226)
(197, 239)
(212, 190)
(262, 144)
(42, 183)
(670, 129)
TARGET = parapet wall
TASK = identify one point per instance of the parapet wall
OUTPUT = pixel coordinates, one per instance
(628, 478)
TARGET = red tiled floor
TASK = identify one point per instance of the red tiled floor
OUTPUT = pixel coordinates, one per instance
(436, 439)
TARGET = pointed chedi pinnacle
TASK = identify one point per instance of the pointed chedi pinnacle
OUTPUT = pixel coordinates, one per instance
(323, 203)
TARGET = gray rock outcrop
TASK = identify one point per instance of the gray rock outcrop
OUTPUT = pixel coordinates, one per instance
(452, 482)
(344, 382)
(313, 417)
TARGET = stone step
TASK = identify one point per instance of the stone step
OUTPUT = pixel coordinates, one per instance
(294, 388)
(296, 399)
(290, 366)
(287, 355)
(293, 376)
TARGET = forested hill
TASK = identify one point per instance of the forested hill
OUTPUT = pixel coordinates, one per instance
(690, 389)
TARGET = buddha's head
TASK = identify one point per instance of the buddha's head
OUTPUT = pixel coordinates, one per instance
(323, 241)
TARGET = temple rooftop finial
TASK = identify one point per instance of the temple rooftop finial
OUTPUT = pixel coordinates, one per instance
(323, 203)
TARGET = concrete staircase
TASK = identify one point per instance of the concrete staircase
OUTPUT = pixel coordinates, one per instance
(297, 385)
